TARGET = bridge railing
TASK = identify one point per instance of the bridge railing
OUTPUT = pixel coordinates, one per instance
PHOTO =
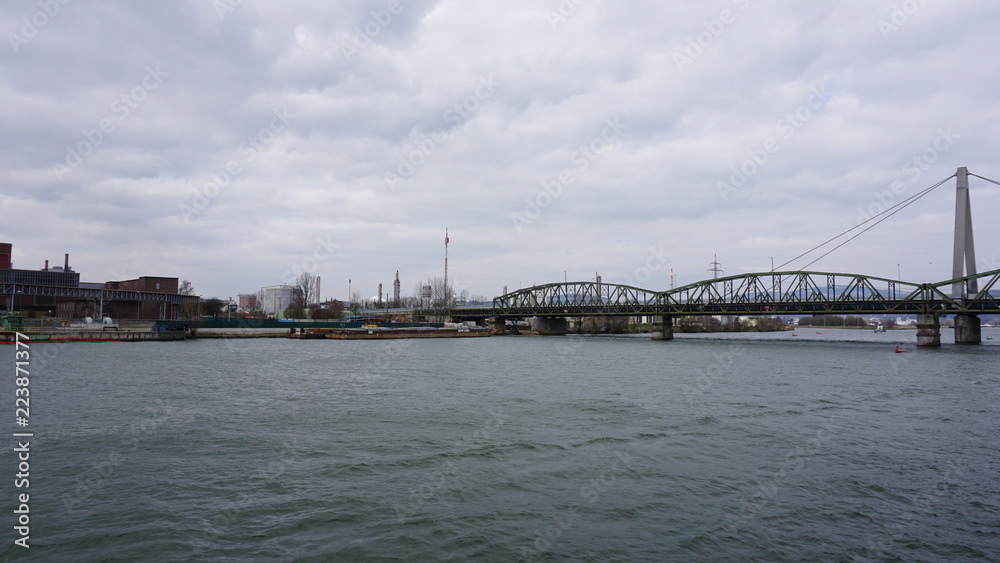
(757, 293)
(979, 293)
(593, 297)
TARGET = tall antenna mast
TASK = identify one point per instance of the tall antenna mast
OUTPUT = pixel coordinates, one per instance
(446, 266)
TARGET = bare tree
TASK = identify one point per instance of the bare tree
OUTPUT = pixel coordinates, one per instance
(303, 295)
(306, 285)
(332, 309)
(188, 310)
(213, 306)
(441, 297)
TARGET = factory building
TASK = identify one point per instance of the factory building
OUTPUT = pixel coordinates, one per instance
(62, 276)
(247, 301)
(276, 298)
(43, 297)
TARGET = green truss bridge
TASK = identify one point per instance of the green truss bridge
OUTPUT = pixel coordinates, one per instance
(966, 295)
(771, 293)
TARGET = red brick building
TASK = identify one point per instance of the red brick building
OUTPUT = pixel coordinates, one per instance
(75, 308)
(41, 293)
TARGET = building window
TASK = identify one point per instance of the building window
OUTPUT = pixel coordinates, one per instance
(157, 285)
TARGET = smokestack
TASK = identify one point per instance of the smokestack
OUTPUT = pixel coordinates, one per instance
(395, 290)
(66, 265)
(318, 300)
(46, 265)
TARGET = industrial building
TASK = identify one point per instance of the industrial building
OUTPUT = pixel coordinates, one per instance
(247, 301)
(276, 298)
(58, 292)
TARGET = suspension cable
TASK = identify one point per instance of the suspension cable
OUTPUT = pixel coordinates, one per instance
(982, 178)
(887, 212)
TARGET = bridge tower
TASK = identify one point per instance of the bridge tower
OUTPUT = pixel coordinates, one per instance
(967, 326)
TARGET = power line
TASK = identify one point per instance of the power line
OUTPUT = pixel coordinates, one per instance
(889, 212)
(716, 268)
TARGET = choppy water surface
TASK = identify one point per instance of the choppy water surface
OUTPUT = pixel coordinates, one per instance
(817, 447)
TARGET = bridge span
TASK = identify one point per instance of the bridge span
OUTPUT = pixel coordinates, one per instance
(771, 293)
(966, 295)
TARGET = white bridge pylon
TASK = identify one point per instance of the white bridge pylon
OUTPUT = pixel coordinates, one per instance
(964, 260)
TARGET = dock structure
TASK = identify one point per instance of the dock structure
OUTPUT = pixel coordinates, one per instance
(93, 336)
(381, 333)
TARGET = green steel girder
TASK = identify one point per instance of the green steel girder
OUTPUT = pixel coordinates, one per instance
(759, 293)
(576, 299)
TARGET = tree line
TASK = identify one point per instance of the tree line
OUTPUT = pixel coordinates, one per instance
(432, 294)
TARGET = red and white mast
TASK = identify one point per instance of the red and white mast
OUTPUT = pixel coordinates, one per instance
(446, 266)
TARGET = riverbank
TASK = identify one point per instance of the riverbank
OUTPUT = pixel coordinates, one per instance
(91, 336)
(392, 333)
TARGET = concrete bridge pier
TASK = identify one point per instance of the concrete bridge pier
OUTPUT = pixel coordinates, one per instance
(663, 327)
(928, 330)
(968, 330)
(549, 325)
(499, 326)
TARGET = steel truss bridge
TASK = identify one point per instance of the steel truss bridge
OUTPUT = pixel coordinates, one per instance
(771, 293)
(967, 295)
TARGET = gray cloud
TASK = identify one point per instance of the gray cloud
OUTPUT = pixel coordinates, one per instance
(391, 135)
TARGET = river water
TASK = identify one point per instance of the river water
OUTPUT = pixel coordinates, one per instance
(826, 445)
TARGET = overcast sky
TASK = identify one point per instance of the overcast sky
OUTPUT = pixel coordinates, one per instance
(234, 143)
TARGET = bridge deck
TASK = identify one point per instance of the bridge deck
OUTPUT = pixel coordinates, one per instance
(759, 294)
